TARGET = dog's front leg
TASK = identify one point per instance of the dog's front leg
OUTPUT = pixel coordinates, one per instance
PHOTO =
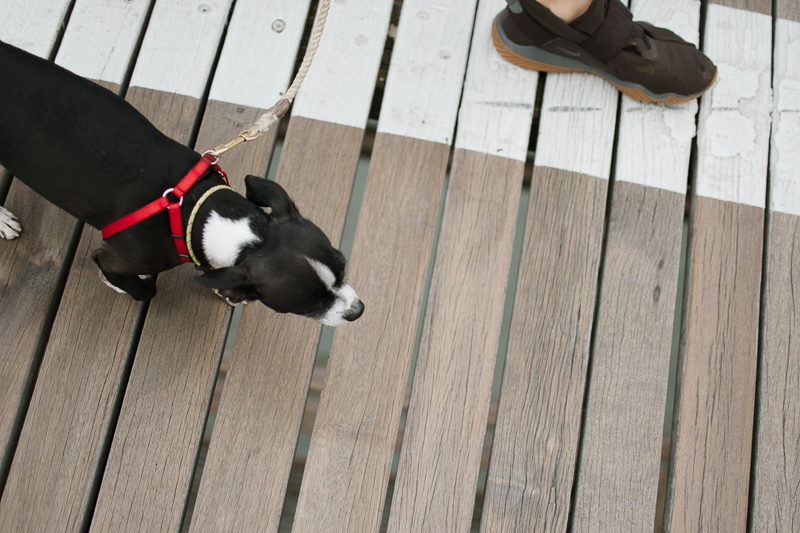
(141, 288)
(9, 227)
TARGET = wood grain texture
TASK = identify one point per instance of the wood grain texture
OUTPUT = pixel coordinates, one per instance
(443, 439)
(151, 461)
(713, 419)
(356, 426)
(777, 468)
(30, 267)
(623, 430)
(789, 10)
(756, 6)
(530, 478)
(65, 435)
(255, 433)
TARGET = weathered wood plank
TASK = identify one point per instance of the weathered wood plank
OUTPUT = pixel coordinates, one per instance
(446, 424)
(256, 429)
(618, 475)
(55, 471)
(351, 49)
(538, 422)
(709, 475)
(443, 440)
(351, 448)
(776, 469)
(33, 263)
(710, 459)
(151, 461)
(621, 452)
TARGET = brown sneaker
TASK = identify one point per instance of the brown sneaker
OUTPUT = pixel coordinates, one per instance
(646, 63)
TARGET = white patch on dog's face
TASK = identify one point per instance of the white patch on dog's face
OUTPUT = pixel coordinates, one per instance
(9, 227)
(346, 297)
(223, 239)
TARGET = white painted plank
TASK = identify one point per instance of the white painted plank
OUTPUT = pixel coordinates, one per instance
(576, 132)
(258, 57)
(341, 81)
(427, 70)
(32, 24)
(654, 139)
(785, 159)
(733, 133)
(497, 104)
(180, 46)
(101, 37)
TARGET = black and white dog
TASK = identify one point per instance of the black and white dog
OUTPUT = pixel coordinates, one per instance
(91, 153)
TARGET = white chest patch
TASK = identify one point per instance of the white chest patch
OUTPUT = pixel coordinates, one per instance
(223, 239)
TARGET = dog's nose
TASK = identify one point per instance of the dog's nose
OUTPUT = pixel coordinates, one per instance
(355, 311)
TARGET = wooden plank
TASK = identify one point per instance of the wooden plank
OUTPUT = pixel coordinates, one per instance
(444, 435)
(351, 49)
(352, 445)
(530, 478)
(709, 476)
(776, 473)
(621, 452)
(33, 25)
(55, 472)
(618, 475)
(256, 429)
(151, 461)
(351, 448)
(33, 263)
(533, 457)
(443, 440)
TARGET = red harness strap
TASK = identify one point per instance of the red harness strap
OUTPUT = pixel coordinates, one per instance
(173, 208)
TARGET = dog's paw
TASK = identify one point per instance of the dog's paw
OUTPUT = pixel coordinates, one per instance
(9, 227)
(232, 304)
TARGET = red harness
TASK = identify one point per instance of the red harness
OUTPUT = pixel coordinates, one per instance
(174, 208)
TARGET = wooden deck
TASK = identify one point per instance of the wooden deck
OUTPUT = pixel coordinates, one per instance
(104, 401)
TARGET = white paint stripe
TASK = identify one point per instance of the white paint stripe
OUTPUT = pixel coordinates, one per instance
(655, 140)
(341, 81)
(180, 46)
(32, 24)
(259, 53)
(576, 132)
(101, 37)
(785, 159)
(497, 104)
(427, 70)
(733, 134)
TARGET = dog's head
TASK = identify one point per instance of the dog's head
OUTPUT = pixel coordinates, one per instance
(288, 264)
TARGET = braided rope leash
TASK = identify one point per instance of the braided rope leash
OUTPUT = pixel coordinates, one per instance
(276, 112)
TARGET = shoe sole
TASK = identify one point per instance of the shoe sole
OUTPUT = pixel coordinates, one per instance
(634, 92)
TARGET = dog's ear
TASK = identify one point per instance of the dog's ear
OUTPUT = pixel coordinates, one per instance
(232, 283)
(270, 197)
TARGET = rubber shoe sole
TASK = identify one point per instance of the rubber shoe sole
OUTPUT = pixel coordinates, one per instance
(549, 62)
